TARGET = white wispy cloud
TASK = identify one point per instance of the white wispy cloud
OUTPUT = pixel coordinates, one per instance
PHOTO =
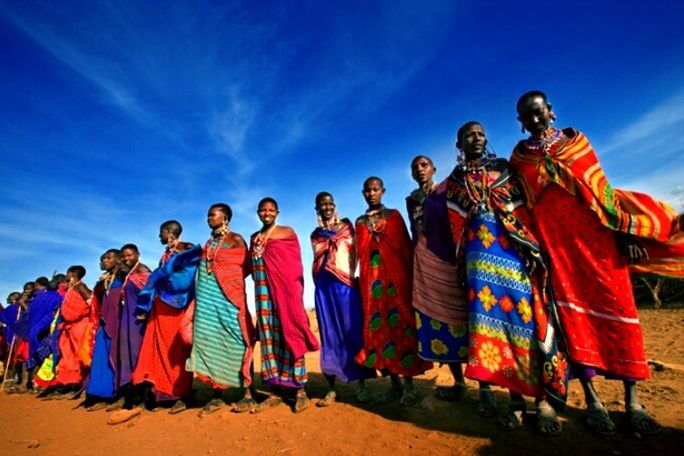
(652, 128)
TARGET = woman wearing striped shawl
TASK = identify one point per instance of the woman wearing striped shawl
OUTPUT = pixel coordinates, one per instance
(223, 333)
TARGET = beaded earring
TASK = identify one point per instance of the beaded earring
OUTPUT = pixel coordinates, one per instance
(460, 159)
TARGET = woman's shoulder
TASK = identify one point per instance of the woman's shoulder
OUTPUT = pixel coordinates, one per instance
(236, 239)
(282, 231)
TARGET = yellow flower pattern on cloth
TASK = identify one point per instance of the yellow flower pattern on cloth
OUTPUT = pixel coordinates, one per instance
(525, 310)
(487, 297)
(463, 351)
(490, 356)
(458, 330)
(438, 347)
(485, 236)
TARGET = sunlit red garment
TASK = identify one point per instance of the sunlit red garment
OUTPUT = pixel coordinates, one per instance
(75, 313)
(163, 352)
(285, 275)
(574, 215)
(386, 261)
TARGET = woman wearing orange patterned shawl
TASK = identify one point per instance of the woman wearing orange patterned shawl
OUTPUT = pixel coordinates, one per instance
(385, 258)
(581, 222)
(75, 312)
(223, 332)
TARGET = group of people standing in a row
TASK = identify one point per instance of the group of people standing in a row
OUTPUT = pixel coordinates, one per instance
(518, 270)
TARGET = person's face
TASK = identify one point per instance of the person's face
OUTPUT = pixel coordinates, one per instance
(326, 207)
(28, 288)
(473, 141)
(535, 116)
(129, 257)
(71, 277)
(166, 236)
(13, 298)
(372, 192)
(109, 261)
(267, 213)
(422, 170)
(215, 218)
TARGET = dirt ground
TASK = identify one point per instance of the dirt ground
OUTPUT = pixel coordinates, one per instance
(32, 426)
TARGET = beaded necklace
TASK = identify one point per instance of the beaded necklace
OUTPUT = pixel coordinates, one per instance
(331, 224)
(260, 242)
(478, 196)
(128, 276)
(108, 279)
(419, 196)
(548, 139)
(376, 221)
(212, 249)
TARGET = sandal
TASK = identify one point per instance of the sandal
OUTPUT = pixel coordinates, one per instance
(451, 393)
(642, 422)
(114, 406)
(212, 406)
(301, 403)
(363, 396)
(408, 398)
(328, 399)
(123, 415)
(270, 402)
(96, 406)
(246, 404)
(598, 421)
(486, 408)
(178, 407)
(514, 416)
(389, 396)
(547, 420)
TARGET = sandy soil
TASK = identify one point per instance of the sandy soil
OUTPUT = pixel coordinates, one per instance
(32, 426)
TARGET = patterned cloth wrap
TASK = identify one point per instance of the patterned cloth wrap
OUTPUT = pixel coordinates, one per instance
(507, 306)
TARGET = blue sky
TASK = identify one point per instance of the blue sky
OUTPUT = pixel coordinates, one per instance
(115, 116)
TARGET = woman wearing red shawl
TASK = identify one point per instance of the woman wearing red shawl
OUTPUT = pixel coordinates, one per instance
(165, 302)
(337, 299)
(282, 323)
(385, 258)
(582, 223)
(223, 332)
(75, 312)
